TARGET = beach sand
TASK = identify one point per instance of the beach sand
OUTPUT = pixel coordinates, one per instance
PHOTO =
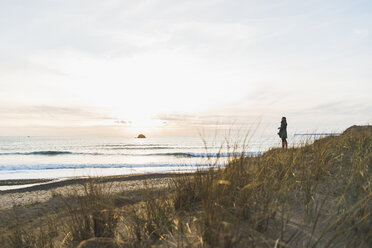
(39, 191)
(32, 205)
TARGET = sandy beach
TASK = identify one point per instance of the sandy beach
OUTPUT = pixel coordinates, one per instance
(41, 190)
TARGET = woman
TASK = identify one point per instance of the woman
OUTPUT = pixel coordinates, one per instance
(283, 132)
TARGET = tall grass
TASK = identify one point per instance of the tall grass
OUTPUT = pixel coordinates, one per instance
(318, 195)
(22, 236)
(93, 215)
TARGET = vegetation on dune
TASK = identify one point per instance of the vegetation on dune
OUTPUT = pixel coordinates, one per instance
(316, 195)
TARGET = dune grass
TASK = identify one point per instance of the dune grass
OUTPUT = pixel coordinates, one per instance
(316, 195)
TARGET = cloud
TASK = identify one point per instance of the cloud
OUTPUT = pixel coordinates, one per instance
(342, 108)
(125, 28)
(205, 120)
(204, 57)
(123, 122)
(51, 112)
(362, 33)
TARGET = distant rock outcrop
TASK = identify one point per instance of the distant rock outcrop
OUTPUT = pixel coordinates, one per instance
(141, 136)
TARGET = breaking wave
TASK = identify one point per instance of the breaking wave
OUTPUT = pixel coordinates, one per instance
(175, 154)
(208, 155)
(46, 153)
(89, 166)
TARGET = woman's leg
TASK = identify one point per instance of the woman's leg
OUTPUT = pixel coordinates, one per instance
(284, 143)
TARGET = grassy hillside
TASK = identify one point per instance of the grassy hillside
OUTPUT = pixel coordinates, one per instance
(317, 195)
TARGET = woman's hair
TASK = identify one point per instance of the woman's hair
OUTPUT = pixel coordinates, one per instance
(283, 118)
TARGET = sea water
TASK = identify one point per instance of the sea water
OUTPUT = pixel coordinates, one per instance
(61, 157)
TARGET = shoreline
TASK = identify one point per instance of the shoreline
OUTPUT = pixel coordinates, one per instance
(31, 185)
(12, 182)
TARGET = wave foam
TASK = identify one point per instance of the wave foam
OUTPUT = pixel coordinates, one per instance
(209, 155)
(175, 154)
(47, 153)
(88, 166)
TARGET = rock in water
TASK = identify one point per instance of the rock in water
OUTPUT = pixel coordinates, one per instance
(141, 136)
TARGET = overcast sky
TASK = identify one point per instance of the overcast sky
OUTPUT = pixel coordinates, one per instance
(169, 67)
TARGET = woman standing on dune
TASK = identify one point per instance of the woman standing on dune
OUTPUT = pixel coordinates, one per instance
(283, 132)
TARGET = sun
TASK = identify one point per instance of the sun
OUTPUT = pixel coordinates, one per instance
(144, 124)
(141, 118)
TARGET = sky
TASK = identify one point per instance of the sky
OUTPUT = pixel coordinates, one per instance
(171, 67)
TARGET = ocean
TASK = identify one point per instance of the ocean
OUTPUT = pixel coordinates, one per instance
(63, 157)
(60, 157)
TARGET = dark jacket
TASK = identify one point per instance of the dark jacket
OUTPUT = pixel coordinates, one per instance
(283, 129)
